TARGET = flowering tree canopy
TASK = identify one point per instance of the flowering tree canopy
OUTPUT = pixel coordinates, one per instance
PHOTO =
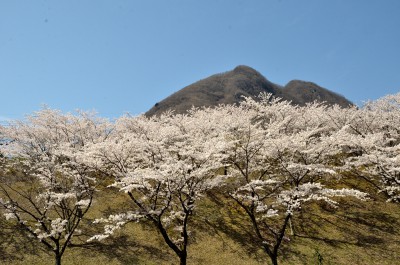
(55, 190)
(270, 157)
(164, 165)
(370, 141)
(278, 156)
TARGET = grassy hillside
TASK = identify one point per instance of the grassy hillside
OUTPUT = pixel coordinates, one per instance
(355, 233)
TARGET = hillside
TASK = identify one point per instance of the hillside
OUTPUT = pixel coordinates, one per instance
(229, 87)
(356, 233)
(229, 184)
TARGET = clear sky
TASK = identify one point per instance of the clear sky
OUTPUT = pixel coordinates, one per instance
(124, 56)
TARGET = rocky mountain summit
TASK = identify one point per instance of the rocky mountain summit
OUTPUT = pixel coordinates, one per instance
(229, 87)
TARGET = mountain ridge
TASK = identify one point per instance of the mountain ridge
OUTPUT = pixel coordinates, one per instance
(230, 87)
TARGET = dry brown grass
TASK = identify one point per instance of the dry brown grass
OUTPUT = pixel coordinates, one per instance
(355, 233)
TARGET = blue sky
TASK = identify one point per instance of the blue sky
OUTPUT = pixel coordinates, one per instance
(124, 56)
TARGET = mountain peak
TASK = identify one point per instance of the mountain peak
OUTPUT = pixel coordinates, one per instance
(296, 82)
(305, 91)
(231, 86)
(244, 69)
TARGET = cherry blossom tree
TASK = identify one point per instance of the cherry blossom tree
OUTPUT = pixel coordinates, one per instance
(270, 157)
(164, 165)
(276, 156)
(370, 144)
(382, 144)
(54, 191)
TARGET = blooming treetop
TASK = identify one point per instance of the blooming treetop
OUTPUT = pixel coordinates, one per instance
(269, 156)
(165, 165)
(60, 189)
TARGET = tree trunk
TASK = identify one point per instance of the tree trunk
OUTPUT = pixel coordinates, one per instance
(58, 259)
(182, 257)
(291, 226)
(274, 259)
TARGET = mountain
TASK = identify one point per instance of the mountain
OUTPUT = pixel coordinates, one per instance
(229, 87)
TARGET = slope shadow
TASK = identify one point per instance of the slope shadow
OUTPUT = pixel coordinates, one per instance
(124, 247)
(350, 224)
(14, 241)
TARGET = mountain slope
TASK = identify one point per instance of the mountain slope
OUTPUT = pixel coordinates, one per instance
(303, 92)
(229, 87)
